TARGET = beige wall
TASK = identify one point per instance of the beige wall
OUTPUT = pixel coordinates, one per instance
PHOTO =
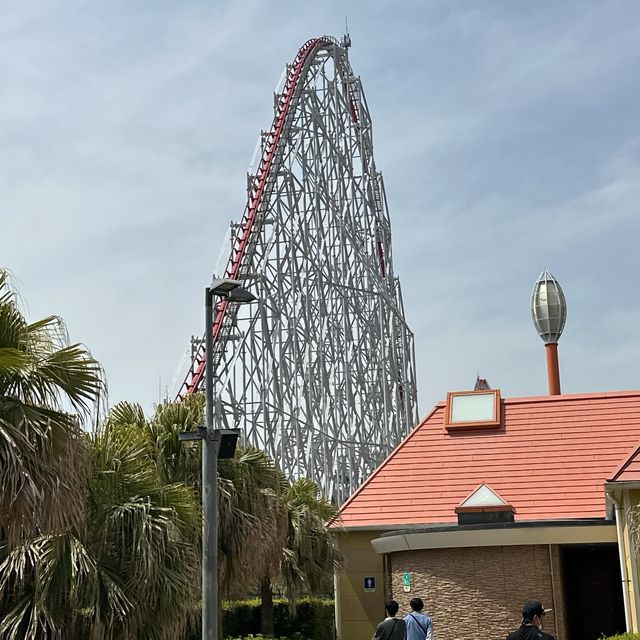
(478, 592)
(629, 499)
(357, 612)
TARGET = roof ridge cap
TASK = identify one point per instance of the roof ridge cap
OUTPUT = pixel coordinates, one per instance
(573, 396)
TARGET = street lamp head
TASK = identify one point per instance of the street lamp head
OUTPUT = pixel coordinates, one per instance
(240, 295)
(231, 290)
(222, 286)
(227, 442)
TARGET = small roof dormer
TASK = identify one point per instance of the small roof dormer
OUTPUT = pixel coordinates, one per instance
(484, 506)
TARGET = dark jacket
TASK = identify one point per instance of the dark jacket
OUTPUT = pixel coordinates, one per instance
(391, 629)
(529, 632)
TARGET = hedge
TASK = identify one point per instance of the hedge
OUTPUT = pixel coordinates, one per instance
(624, 636)
(313, 619)
(261, 637)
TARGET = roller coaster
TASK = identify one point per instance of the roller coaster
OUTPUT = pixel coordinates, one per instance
(320, 372)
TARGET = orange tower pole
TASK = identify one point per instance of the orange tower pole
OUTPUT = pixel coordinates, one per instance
(553, 369)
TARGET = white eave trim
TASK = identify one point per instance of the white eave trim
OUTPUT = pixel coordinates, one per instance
(578, 534)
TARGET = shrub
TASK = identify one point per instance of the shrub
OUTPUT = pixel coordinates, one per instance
(261, 637)
(241, 618)
(624, 636)
(313, 619)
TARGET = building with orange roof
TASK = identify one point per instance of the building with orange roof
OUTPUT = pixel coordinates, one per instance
(493, 501)
(483, 517)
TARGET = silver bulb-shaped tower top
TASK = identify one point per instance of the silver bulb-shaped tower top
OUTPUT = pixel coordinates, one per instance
(548, 308)
(549, 313)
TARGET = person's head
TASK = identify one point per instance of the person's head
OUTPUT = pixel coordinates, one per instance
(533, 613)
(416, 604)
(392, 607)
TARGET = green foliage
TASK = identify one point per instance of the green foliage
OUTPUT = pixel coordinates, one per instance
(260, 637)
(313, 619)
(249, 489)
(96, 540)
(624, 636)
(310, 555)
(241, 618)
(133, 572)
(145, 530)
(47, 388)
(178, 461)
(101, 533)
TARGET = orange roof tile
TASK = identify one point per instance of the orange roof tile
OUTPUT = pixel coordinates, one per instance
(549, 459)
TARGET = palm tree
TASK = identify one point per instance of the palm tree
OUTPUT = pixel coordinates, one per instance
(132, 574)
(47, 388)
(251, 518)
(251, 514)
(310, 556)
(100, 534)
(146, 531)
(178, 461)
(249, 490)
(52, 587)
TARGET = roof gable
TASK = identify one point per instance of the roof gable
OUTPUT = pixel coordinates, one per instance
(629, 470)
(484, 498)
(549, 460)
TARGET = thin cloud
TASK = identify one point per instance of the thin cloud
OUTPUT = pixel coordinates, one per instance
(507, 135)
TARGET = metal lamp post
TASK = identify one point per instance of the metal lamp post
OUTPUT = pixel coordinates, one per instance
(216, 443)
(549, 314)
(231, 290)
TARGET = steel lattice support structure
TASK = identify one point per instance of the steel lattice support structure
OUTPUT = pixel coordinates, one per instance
(320, 372)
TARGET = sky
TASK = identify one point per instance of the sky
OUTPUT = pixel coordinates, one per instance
(507, 133)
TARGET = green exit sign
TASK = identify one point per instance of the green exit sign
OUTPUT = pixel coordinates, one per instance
(406, 581)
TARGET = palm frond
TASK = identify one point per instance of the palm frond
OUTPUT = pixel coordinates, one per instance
(178, 461)
(43, 469)
(148, 530)
(251, 509)
(59, 586)
(311, 554)
(126, 413)
(46, 387)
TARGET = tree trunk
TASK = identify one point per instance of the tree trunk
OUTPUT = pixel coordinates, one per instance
(266, 607)
(220, 615)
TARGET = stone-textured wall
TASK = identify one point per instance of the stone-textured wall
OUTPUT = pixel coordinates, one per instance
(478, 592)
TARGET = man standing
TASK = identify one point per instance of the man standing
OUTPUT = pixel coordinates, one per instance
(533, 614)
(419, 625)
(391, 628)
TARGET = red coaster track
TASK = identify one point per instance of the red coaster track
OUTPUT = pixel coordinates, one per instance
(319, 373)
(240, 254)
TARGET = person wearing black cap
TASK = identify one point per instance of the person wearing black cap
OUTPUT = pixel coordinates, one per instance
(533, 614)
